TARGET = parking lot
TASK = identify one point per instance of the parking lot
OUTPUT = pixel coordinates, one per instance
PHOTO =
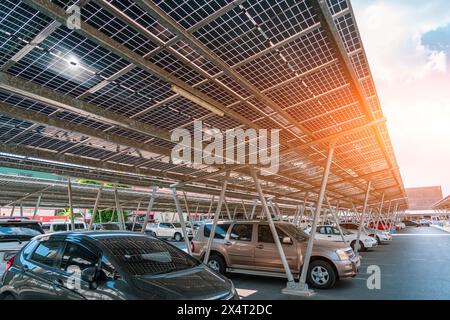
(414, 266)
(249, 134)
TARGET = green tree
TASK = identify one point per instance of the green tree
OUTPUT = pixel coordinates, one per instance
(107, 214)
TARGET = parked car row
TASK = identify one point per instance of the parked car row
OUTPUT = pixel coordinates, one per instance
(109, 263)
(168, 230)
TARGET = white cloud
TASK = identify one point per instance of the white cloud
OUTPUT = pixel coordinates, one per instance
(392, 32)
(413, 83)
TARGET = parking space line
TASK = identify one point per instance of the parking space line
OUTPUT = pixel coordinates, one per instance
(244, 293)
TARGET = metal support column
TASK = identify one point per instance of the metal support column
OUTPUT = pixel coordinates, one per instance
(120, 217)
(210, 208)
(187, 208)
(303, 209)
(216, 218)
(252, 215)
(234, 213)
(94, 211)
(226, 209)
(12, 210)
(380, 210)
(149, 209)
(136, 215)
(307, 257)
(21, 209)
(361, 223)
(291, 285)
(36, 208)
(72, 216)
(245, 210)
(181, 218)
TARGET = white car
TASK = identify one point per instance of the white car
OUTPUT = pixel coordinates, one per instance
(168, 230)
(400, 225)
(379, 235)
(63, 225)
(330, 233)
(14, 234)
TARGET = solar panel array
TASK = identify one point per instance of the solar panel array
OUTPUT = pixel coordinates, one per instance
(268, 64)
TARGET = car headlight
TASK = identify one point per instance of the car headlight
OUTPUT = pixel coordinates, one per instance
(368, 240)
(342, 255)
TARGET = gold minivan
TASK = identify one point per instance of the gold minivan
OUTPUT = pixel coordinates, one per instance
(248, 247)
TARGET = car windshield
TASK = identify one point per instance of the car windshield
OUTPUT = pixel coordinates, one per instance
(143, 256)
(22, 231)
(345, 232)
(295, 232)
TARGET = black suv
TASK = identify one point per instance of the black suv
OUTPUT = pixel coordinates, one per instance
(109, 265)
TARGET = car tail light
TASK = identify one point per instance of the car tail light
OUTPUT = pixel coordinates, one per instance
(192, 247)
(9, 263)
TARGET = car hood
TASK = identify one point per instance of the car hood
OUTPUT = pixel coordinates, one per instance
(323, 245)
(200, 283)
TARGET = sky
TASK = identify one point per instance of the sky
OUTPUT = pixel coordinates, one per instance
(408, 46)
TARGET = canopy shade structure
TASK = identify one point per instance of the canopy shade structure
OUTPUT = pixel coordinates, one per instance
(444, 204)
(101, 100)
(18, 191)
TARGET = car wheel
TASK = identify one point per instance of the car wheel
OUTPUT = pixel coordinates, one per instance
(321, 275)
(153, 234)
(177, 237)
(378, 240)
(217, 263)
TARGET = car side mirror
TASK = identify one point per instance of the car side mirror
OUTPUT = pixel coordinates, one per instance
(287, 240)
(89, 274)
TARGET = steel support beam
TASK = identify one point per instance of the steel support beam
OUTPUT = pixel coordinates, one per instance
(273, 229)
(361, 222)
(336, 136)
(216, 219)
(149, 208)
(181, 217)
(72, 214)
(95, 209)
(303, 287)
(120, 216)
(36, 208)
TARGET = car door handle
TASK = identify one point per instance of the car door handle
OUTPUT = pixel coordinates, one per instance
(260, 246)
(227, 243)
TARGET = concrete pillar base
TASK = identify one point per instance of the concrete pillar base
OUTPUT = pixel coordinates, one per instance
(298, 289)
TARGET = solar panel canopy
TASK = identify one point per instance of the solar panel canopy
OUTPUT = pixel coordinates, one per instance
(97, 101)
